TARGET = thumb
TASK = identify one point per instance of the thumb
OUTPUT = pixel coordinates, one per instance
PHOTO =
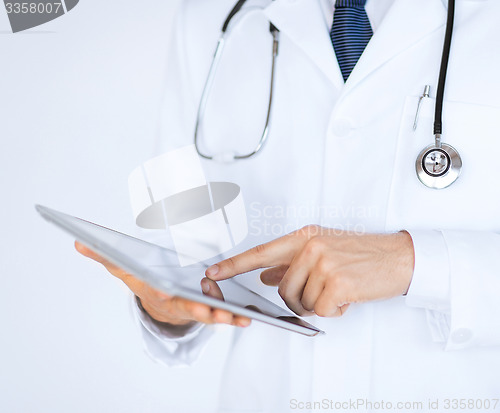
(210, 288)
(274, 275)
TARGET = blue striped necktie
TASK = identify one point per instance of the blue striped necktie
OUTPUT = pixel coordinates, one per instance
(351, 31)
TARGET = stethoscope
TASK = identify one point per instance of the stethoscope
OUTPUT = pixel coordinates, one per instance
(438, 165)
(228, 156)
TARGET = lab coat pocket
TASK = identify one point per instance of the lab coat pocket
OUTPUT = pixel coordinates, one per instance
(473, 201)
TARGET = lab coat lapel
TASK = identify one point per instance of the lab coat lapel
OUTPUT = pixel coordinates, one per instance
(406, 23)
(303, 22)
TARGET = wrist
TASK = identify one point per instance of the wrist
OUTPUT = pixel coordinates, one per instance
(407, 260)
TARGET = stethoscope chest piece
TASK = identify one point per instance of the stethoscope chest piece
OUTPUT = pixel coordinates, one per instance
(438, 166)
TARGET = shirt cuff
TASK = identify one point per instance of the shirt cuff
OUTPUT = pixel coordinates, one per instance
(164, 331)
(430, 285)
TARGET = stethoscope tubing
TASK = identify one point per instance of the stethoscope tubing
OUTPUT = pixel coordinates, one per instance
(438, 122)
(211, 77)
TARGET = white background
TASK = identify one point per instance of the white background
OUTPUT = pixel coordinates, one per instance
(80, 101)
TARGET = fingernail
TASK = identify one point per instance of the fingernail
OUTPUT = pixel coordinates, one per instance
(213, 270)
(205, 287)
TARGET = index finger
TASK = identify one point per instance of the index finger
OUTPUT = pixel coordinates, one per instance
(277, 252)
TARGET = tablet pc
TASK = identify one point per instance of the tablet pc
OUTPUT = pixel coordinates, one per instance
(158, 267)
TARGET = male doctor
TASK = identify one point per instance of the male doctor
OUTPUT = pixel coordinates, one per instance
(404, 279)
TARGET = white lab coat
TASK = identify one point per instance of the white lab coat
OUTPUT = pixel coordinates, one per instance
(346, 155)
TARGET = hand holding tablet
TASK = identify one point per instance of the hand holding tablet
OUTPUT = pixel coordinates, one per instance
(169, 309)
(173, 294)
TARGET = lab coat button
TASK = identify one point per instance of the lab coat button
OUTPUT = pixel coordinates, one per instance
(461, 335)
(342, 127)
